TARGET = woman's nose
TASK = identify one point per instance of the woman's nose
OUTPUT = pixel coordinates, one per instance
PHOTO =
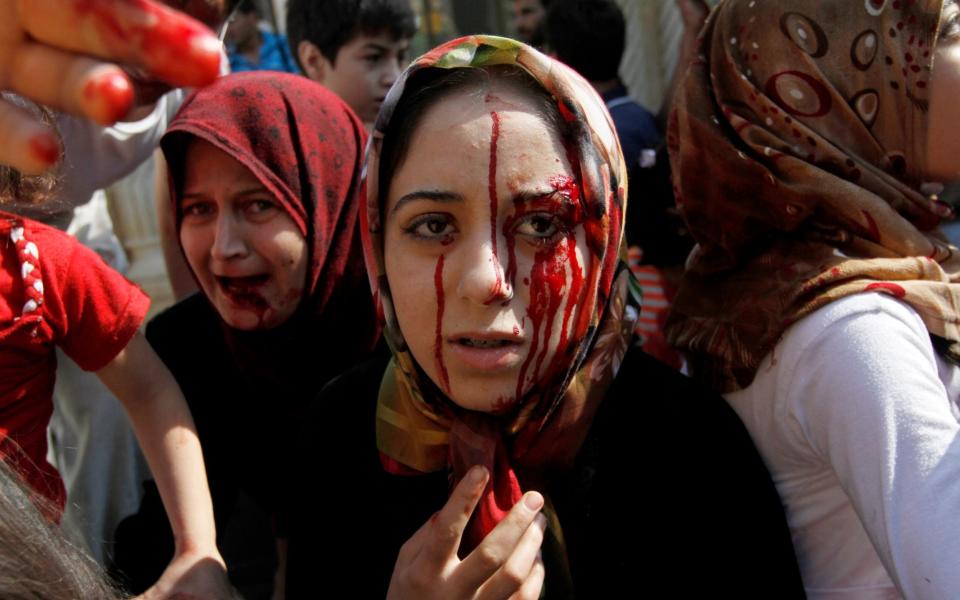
(482, 278)
(228, 241)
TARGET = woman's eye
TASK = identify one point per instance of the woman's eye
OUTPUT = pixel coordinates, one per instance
(260, 206)
(196, 209)
(372, 59)
(431, 227)
(540, 226)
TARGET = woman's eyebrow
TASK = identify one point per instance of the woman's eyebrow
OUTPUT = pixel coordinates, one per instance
(433, 195)
(252, 190)
(526, 196)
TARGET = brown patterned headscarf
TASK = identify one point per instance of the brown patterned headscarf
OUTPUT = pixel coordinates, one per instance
(797, 144)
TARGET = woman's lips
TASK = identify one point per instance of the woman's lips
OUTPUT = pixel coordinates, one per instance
(244, 292)
(485, 353)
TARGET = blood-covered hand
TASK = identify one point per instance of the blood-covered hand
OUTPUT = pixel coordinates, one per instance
(505, 565)
(65, 54)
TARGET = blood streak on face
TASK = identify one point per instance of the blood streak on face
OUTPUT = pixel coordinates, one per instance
(494, 202)
(548, 284)
(438, 344)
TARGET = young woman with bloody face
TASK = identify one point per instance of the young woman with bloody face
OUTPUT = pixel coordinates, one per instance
(512, 401)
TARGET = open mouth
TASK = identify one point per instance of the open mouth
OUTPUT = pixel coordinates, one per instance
(476, 343)
(242, 284)
(482, 353)
(244, 292)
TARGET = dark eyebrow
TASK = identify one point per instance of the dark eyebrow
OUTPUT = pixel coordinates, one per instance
(253, 190)
(555, 196)
(432, 195)
(375, 46)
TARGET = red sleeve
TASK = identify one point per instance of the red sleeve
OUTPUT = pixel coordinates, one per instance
(94, 311)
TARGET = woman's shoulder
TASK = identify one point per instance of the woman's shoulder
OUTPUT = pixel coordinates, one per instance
(866, 318)
(845, 351)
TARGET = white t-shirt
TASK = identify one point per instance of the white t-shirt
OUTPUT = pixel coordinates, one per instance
(856, 417)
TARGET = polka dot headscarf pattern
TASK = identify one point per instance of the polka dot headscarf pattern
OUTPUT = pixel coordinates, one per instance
(797, 143)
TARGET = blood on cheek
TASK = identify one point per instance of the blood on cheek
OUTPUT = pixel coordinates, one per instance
(553, 266)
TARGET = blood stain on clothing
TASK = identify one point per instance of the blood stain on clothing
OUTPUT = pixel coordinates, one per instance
(872, 226)
(893, 288)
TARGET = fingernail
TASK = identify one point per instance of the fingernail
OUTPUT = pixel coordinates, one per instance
(477, 475)
(110, 94)
(205, 57)
(541, 521)
(533, 501)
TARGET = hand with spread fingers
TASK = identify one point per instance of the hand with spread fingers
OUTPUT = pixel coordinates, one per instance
(65, 54)
(506, 565)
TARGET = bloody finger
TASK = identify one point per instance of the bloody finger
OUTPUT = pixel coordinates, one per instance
(165, 42)
(75, 84)
(29, 145)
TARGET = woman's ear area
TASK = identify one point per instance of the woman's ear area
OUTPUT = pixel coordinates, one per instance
(312, 60)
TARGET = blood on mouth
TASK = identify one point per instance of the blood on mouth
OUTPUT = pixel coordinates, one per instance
(244, 293)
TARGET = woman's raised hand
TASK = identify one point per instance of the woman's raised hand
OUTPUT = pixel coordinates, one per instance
(54, 51)
(505, 565)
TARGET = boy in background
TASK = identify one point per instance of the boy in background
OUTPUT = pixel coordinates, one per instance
(356, 48)
(251, 46)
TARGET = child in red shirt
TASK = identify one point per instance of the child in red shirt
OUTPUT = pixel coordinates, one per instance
(56, 292)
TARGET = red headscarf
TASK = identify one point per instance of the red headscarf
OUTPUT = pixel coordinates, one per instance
(306, 147)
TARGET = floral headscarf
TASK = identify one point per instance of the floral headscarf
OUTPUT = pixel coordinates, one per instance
(797, 143)
(418, 428)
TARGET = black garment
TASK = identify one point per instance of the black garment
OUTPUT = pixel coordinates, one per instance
(247, 431)
(668, 498)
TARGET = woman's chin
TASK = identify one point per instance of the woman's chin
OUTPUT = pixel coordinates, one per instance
(495, 397)
(243, 319)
